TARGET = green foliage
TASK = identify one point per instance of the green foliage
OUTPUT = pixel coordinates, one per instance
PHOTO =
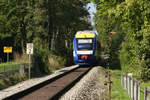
(40, 57)
(130, 19)
(12, 80)
(49, 24)
(61, 61)
(16, 78)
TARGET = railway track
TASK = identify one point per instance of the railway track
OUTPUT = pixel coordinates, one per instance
(52, 89)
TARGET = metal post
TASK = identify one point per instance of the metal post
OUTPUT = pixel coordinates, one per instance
(21, 70)
(122, 80)
(7, 57)
(128, 86)
(126, 83)
(129, 89)
(29, 66)
(132, 88)
(146, 93)
(138, 90)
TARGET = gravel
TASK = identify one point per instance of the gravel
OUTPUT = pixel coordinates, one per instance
(90, 87)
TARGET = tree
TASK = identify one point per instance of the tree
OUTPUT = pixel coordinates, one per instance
(49, 24)
(130, 19)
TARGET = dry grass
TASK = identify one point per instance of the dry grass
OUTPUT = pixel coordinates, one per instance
(21, 58)
(54, 63)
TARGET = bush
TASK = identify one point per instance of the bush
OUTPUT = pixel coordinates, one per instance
(12, 80)
(46, 61)
(68, 57)
(40, 60)
(3, 85)
(16, 78)
(61, 61)
(134, 55)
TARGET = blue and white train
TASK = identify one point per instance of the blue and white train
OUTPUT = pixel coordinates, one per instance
(84, 48)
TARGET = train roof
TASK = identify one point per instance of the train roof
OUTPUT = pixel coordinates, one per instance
(85, 34)
(87, 31)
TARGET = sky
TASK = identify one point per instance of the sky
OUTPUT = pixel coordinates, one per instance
(91, 10)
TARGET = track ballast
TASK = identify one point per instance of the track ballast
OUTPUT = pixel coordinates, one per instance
(52, 89)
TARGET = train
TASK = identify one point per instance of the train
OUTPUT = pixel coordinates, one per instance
(84, 47)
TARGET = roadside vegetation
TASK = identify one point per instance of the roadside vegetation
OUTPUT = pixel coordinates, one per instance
(117, 92)
(124, 33)
(12, 80)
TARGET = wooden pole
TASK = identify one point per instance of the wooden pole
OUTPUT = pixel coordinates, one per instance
(126, 83)
(109, 83)
(138, 85)
(132, 88)
(109, 79)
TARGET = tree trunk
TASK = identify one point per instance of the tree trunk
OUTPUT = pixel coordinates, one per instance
(50, 24)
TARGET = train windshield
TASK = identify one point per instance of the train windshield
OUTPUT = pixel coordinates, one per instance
(84, 44)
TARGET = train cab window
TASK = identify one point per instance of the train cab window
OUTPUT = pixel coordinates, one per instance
(84, 44)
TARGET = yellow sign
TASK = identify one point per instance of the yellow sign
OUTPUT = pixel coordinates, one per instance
(7, 49)
(85, 35)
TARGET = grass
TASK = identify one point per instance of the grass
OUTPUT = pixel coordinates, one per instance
(7, 64)
(143, 84)
(54, 64)
(117, 92)
(5, 67)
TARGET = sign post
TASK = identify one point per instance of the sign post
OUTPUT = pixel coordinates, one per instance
(7, 57)
(7, 50)
(29, 51)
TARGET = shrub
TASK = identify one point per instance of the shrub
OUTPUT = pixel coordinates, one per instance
(40, 57)
(12, 80)
(40, 60)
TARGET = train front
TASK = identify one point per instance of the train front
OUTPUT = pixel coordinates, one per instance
(84, 45)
